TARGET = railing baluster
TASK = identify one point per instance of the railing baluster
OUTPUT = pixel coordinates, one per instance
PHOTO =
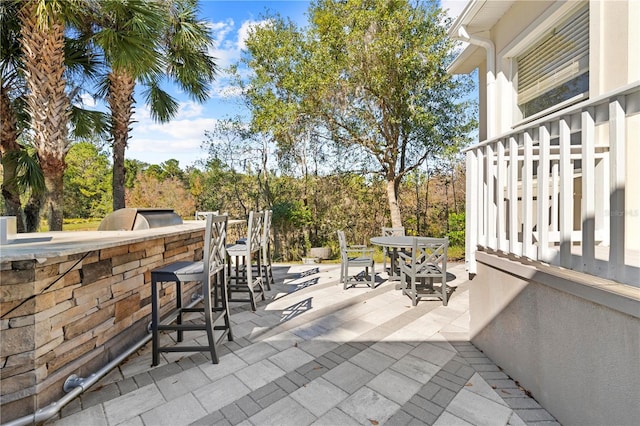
(555, 189)
(528, 248)
(566, 193)
(491, 198)
(512, 186)
(471, 224)
(499, 190)
(588, 214)
(543, 193)
(617, 195)
(482, 199)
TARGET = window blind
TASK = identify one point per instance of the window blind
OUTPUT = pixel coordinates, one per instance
(561, 56)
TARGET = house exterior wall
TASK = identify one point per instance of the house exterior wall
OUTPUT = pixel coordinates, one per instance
(574, 347)
(570, 338)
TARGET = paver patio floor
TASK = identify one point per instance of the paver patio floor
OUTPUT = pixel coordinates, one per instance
(315, 354)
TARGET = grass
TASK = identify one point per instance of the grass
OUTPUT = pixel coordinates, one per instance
(74, 225)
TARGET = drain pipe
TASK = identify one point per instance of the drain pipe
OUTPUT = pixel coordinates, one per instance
(75, 385)
(490, 47)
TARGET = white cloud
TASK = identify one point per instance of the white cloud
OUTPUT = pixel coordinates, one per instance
(245, 30)
(87, 101)
(180, 139)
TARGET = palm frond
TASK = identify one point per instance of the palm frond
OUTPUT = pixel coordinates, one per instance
(29, 175)
(88, 123)
(163, 106)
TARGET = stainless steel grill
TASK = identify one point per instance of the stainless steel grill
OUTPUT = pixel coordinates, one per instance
(132, 219)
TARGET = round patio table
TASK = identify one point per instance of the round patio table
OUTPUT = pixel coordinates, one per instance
(393, 243)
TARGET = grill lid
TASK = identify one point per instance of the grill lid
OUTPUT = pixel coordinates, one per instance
(132, 219)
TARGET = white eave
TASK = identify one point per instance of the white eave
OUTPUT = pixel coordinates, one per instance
(478, 17)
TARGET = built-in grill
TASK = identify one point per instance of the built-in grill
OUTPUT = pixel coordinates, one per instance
(133, 219)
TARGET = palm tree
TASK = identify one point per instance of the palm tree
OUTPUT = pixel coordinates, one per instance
(10, 95)
(21, 166)
(42, 41)
(144, 42)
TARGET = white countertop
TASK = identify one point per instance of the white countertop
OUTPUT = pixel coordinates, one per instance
(43, 245)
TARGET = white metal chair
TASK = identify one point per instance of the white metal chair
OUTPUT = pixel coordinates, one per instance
(210, 271)
(241, 277)
(387, 232)
(356, 256)
(419, 269)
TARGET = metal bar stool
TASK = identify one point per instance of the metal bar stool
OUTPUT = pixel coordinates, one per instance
(211, 273)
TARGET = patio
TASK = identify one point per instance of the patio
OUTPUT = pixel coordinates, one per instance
(314, 353)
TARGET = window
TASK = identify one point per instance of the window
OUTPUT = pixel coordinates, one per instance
(557, 67)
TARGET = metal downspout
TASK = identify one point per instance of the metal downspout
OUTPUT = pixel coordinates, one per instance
(488, 45)
(76, 385)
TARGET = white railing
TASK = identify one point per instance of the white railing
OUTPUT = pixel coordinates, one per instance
(566, 171)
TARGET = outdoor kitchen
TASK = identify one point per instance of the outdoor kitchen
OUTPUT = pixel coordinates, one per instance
(70, 302)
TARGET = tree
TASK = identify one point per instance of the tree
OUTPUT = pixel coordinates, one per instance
(143, 42)
(42, 42)
(87, 183)
(368, 75)
(11, 91)
(168, 193)
(45, 60)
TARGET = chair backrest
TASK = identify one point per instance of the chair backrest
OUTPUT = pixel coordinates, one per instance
(430, 250)
(203, 215)
(266, 229)
(343, 244)
(254, 230)
(215, 239)
(393, 232)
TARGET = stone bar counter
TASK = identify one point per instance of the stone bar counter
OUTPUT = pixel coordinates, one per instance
(70, 302)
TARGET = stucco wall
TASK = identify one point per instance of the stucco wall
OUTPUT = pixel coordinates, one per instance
(574, 345)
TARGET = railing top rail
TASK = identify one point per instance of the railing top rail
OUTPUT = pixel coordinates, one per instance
(621, 91)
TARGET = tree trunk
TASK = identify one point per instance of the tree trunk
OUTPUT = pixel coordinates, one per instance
(121, 86)
(47, 101)
(32, 213)
(453, 189)
(394, 208)
(9, 148)
(53, 179)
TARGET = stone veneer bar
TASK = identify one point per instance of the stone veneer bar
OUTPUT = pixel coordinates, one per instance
(72, 301)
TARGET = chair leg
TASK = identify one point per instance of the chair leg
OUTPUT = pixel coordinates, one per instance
(155, 320)
(444, 290)
(414, 292)
(373, 275)
(224, 301)
(208, 321)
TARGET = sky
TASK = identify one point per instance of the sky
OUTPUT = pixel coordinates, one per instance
(182, 137)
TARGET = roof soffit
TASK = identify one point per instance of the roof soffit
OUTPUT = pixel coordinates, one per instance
(478, 18)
